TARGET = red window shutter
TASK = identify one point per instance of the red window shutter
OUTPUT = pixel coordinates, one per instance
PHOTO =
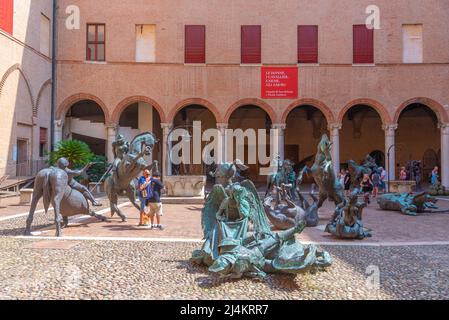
(251, 44)
(307, 44)
(363, 44)
(195, 44)
(43, 135)
(6, 14)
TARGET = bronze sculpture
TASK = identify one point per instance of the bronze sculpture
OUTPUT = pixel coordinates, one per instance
(346, 222)
(231, 250)
(128, 168)
(324, 174)
(53, 185)
(285, 174)
(408, 204)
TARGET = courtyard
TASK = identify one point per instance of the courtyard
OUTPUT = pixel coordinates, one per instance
(115, 260)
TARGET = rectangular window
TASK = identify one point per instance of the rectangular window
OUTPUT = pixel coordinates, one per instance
(412, 42)
(6, 15)
(96, 38)
(45, 35)
(42, 141)
(307, 44)
(251, 38)
(363, 44)
(146, 43)
(195, 44)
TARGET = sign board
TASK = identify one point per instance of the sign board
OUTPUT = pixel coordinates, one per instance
(279, 83)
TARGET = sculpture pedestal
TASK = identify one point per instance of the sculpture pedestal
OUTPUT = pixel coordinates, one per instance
(185, 186)
(400, 186)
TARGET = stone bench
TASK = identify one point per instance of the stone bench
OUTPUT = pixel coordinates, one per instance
(25, 196)
(401, 186)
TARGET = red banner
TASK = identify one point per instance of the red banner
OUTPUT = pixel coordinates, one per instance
(279, 83)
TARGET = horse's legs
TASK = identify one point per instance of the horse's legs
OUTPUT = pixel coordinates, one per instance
(131, 194)
(65, 222)
(37, 195)
(323, 197)
(113, 199)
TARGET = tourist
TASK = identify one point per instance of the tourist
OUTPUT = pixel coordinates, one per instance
(383, 176)
(347, 183)
(144, 193)
(341, 176)
(434, 176)
(154, 202)
(367, 188)
(375, 178)
(403, 174)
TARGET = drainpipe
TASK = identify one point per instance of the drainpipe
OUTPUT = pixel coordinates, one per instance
(53, 77)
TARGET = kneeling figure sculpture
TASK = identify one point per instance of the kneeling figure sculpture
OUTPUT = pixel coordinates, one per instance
(347, 220)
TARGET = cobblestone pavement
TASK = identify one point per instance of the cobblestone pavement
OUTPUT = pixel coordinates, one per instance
(152, 270)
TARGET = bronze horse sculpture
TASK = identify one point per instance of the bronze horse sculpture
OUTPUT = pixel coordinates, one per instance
(53, 185)
(324, 174)
(128, 169)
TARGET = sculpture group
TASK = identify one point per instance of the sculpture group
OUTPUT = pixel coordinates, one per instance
(232, 250)
(56, 185)
(239, 240)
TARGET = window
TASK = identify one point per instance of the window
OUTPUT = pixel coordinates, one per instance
(195, 44)
(412, 43)
(45, 35)
(42, 142)
(251, 44)
(6, 14)
(307, 44)
(363, 44)
(95, 42)
(145, 43)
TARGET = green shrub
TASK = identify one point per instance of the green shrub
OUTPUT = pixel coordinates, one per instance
(76, 152)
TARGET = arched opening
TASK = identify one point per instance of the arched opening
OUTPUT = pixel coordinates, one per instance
(250, 117)
(184, 119)
(139, 117)
(418, 138)
(361, 133)
(305, 126)
(85, 121)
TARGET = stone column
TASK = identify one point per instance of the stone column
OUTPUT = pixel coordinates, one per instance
(390, 150)
(280, 127)
(111, 134)
(58, 130)
(223, 157)
(335, 139)
(444, 127)
(166, 147)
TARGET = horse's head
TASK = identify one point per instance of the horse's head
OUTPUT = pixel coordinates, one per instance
(143, 142)
(325, 145)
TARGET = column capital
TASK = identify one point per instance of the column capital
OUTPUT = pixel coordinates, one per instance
(334, 126)
(59, 122)
(222, 126)
(444, 128)
(279, 126)
(166, 127)
(390, 127)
